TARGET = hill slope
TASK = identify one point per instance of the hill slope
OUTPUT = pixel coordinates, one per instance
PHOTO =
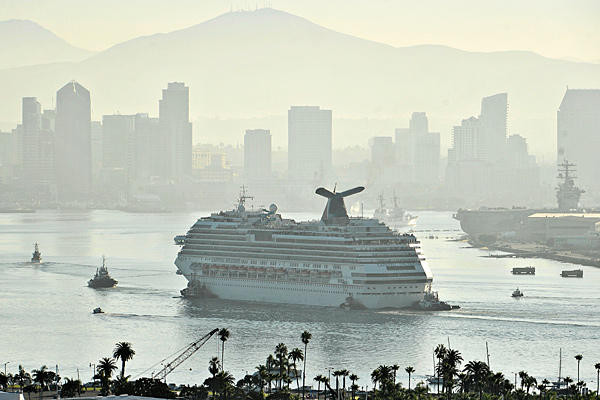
(24, 42)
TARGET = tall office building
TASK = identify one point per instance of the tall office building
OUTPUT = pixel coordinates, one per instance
(465, 140)
(37, 146)
(578, 136)
(96, 147)
(175, 124)
(148, 149)
(257, 154)
(382, 152)
(493, 117)
(418, 150)
(73, 160)
(309, 143)
(118, 141)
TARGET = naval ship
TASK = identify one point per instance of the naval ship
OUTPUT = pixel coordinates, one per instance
(498, 221)
(337, 261)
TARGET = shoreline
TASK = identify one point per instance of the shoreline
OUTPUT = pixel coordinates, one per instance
(539, 251)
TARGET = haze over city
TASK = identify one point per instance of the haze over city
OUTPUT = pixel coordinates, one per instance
(299, 200)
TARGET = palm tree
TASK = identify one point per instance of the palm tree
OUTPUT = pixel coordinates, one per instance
(3, 381)
(43, 377)
(353, 379)
(523, 377)
(213, 369)
(223, 336)
(296, 355)
(305, 337)
(597, 366)
(375, 377)
(440, 352)
(319, 378)
(337, 374)
(262, 374)
(124, 352)
(478, 371)
(105, 368)
(22, 377)
(449, 369)
(578, 357)
(223, 380)
(409, 370)
(345, 373)
(281, 353)
(70, 387)
(395, 368)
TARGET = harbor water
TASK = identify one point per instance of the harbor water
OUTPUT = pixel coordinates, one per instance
(46, 310)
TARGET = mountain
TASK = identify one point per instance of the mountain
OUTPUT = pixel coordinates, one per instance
(24, 42)
(249, 64)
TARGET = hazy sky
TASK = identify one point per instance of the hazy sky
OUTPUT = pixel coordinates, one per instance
(554, 28)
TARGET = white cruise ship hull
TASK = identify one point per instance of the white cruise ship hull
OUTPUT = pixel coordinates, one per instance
(323, 295)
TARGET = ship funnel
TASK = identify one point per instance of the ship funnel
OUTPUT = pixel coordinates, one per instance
(335, 210)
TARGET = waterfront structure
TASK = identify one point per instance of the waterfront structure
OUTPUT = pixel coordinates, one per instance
(418, 150)
(309, 143)
(72, 150)
(257, 154)
(175, 125)
(578, 135)
(257, 255)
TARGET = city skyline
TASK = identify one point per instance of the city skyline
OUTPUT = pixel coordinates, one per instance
(432, 78)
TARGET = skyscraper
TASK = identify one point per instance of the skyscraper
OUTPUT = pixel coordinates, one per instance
(73, 158)
(175, 125)
(418, 150)
(578, 135)
(493, 117)
(257, 154)
(37, 143)
(118, 141)
(309, 143)
(149, 148)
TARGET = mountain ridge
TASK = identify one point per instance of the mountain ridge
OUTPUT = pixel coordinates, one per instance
(25, 42)
(256, 63)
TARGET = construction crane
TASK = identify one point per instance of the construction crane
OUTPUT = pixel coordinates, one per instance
(184, 355)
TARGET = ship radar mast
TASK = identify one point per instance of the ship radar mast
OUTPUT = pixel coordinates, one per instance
(567, 194)
(242, 199)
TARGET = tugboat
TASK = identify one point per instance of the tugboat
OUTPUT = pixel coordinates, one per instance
(517, 293)
(97, 310)
(102, 279)
(36, 257)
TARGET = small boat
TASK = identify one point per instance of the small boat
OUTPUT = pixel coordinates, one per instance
(97, 310)
(517, 293)
(102, 279)
(523, 271)
(576, 273)
(36, 257)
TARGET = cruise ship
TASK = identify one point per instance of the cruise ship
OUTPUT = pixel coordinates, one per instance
(337, 261)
